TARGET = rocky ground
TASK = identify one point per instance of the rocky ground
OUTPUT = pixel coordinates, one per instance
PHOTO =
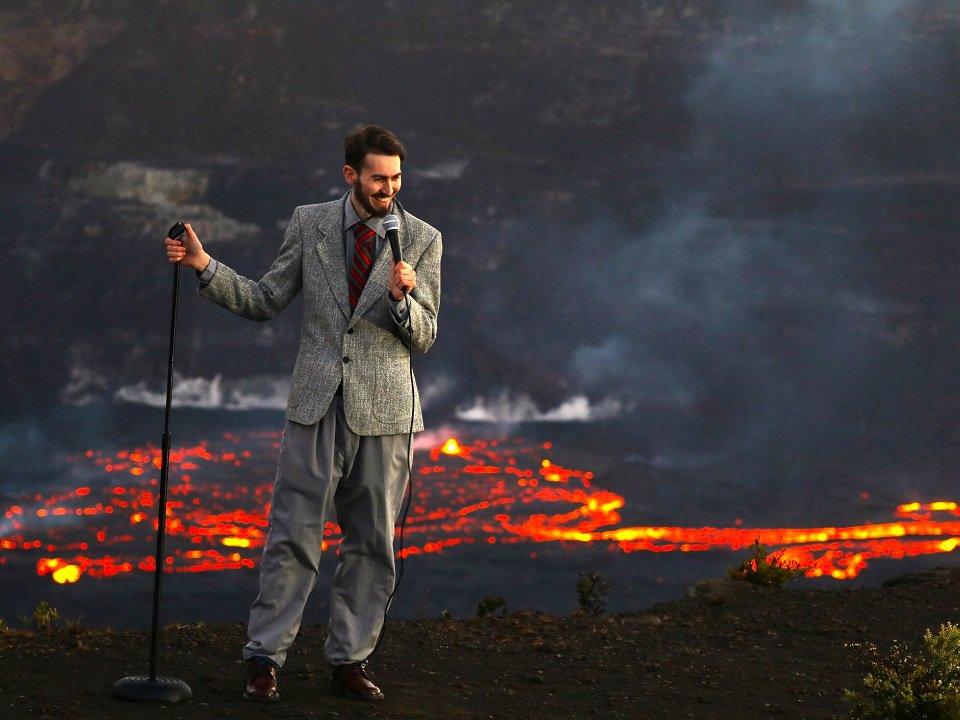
(727, 650)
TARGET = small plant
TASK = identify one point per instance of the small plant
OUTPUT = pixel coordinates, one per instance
(3, 626)
(75, 626)
(764, 569)
(592, 593)
(492, 606)
(45, 617)
(903, 686)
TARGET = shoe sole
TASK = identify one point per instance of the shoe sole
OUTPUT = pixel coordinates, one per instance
(360, 696)
(338, 689)
(261, 698)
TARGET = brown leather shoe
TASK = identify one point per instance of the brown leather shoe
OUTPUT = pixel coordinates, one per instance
(261, 682)
(354, 682)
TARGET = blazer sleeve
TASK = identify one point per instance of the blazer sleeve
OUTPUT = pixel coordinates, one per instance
(425, 298)
(265, 298)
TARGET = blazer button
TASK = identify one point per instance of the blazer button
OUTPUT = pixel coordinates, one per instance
(349, 331)
(346, 359)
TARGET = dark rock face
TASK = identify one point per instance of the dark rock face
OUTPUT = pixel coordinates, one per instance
(731, 212)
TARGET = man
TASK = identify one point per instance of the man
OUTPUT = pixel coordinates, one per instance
(352, 404)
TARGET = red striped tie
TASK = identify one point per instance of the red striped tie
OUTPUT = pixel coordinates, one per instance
(362, 260)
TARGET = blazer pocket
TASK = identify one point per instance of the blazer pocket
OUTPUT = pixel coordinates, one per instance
(392, 391)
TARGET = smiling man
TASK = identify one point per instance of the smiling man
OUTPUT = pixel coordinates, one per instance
(376, 180)
(352, 403)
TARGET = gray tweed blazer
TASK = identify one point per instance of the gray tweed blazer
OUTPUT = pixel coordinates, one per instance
(364, 350)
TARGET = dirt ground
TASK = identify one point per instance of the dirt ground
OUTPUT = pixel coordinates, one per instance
(727, 650)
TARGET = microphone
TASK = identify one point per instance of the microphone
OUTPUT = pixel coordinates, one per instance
(391, 223)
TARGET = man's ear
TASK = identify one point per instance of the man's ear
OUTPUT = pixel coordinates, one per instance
(350, 175)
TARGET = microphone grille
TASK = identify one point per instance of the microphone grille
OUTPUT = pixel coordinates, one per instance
(391, 222)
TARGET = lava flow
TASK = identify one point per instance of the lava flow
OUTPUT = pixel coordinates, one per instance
(487, 491)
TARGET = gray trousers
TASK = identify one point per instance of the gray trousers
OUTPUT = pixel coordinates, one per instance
(324, 467)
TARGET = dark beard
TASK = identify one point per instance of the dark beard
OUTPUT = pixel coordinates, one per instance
(365, 202)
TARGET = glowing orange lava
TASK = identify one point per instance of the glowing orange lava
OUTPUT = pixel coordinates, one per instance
(482, 492)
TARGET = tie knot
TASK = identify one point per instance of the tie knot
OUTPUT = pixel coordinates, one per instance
(363, 233)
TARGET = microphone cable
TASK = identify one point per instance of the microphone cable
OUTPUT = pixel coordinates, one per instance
(408, 326)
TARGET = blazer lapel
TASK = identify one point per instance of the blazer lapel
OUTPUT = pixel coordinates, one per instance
(332, 259)
(405, 240)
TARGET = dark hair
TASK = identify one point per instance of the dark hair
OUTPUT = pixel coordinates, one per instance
(366, 139)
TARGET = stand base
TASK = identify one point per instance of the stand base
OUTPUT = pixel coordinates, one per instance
(145, 689)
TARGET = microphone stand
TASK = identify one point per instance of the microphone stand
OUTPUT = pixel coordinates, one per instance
(153, 688)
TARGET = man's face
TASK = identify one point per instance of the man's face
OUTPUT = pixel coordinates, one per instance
(376, 185)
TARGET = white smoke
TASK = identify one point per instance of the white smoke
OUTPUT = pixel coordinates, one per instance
(744, 296)
(788, 100)
(435, 389)
(447, 170)
(258, 393)
(84, 387)
(510, 409)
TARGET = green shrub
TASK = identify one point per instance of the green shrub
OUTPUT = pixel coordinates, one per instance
(903, 686)
(592, 593)
(492, 606)
(764, 569)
